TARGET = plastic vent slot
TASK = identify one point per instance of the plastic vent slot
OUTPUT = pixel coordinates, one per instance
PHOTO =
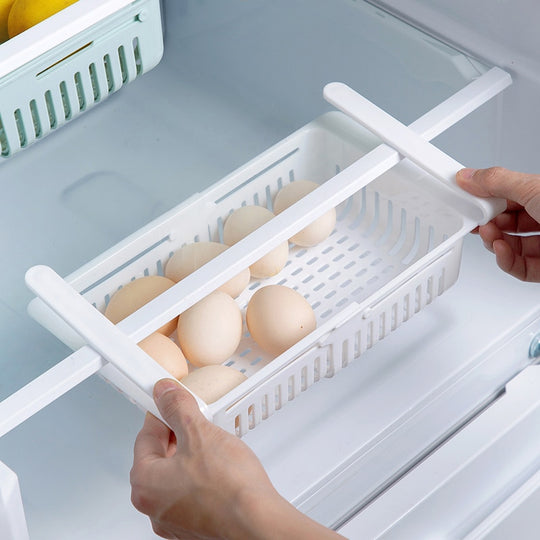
(4, 146)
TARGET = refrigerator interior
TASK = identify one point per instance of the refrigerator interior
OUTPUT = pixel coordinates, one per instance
(235, 79)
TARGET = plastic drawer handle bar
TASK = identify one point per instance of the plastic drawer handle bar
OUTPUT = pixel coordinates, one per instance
(100, 333)
(409, 144)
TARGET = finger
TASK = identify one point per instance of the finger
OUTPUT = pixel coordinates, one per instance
(160, 531)
(177, 406)
(499, 182)
(152, 440)
(518, 222)
(489, 233)
(525, 268)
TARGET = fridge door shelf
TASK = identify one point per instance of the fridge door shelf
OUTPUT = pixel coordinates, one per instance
(63, 66)
(395, 248)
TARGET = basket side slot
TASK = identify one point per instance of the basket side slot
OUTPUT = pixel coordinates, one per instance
(274, 394)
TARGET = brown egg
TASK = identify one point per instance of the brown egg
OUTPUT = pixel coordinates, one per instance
(136, 294)
(212, 382)
(277, 317)
(192, 256)
(244, 221)
(209, 331)
(166, 353)
(318, 230)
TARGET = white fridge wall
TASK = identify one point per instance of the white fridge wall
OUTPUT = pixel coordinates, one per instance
(505, 34)
(236, 77)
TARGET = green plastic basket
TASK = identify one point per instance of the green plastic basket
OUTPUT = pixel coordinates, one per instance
(65, 65)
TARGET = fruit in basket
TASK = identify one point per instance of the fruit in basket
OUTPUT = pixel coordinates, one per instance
(209, 331)
(192, 256)
(244, 221)
(315, 232)
(212, 382)
(27, 13)
(166, 353)
(5, 7)
(277, 317)
(136, 294)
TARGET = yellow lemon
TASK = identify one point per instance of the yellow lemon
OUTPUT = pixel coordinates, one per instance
(27, 13)
(5, 6)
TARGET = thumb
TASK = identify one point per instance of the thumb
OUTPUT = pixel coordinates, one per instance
(176, 405)
(499, 182)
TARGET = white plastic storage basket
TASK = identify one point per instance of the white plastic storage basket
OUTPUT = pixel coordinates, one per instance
(356, 281)
(68, 63)
(395, 248)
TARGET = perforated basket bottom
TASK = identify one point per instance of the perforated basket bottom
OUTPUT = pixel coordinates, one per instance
(374, 240)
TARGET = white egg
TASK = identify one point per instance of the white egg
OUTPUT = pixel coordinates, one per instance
(192, 256)
(136, 294)
(212, 382)
(318, 230)
(245, 220)
(209, 331)
(277, 317)
(166, 353)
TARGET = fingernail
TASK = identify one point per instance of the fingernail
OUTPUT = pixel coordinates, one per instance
(163, 386)
(467, 174)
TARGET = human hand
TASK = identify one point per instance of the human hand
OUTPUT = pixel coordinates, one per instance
(198, 481)
(516, 253)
